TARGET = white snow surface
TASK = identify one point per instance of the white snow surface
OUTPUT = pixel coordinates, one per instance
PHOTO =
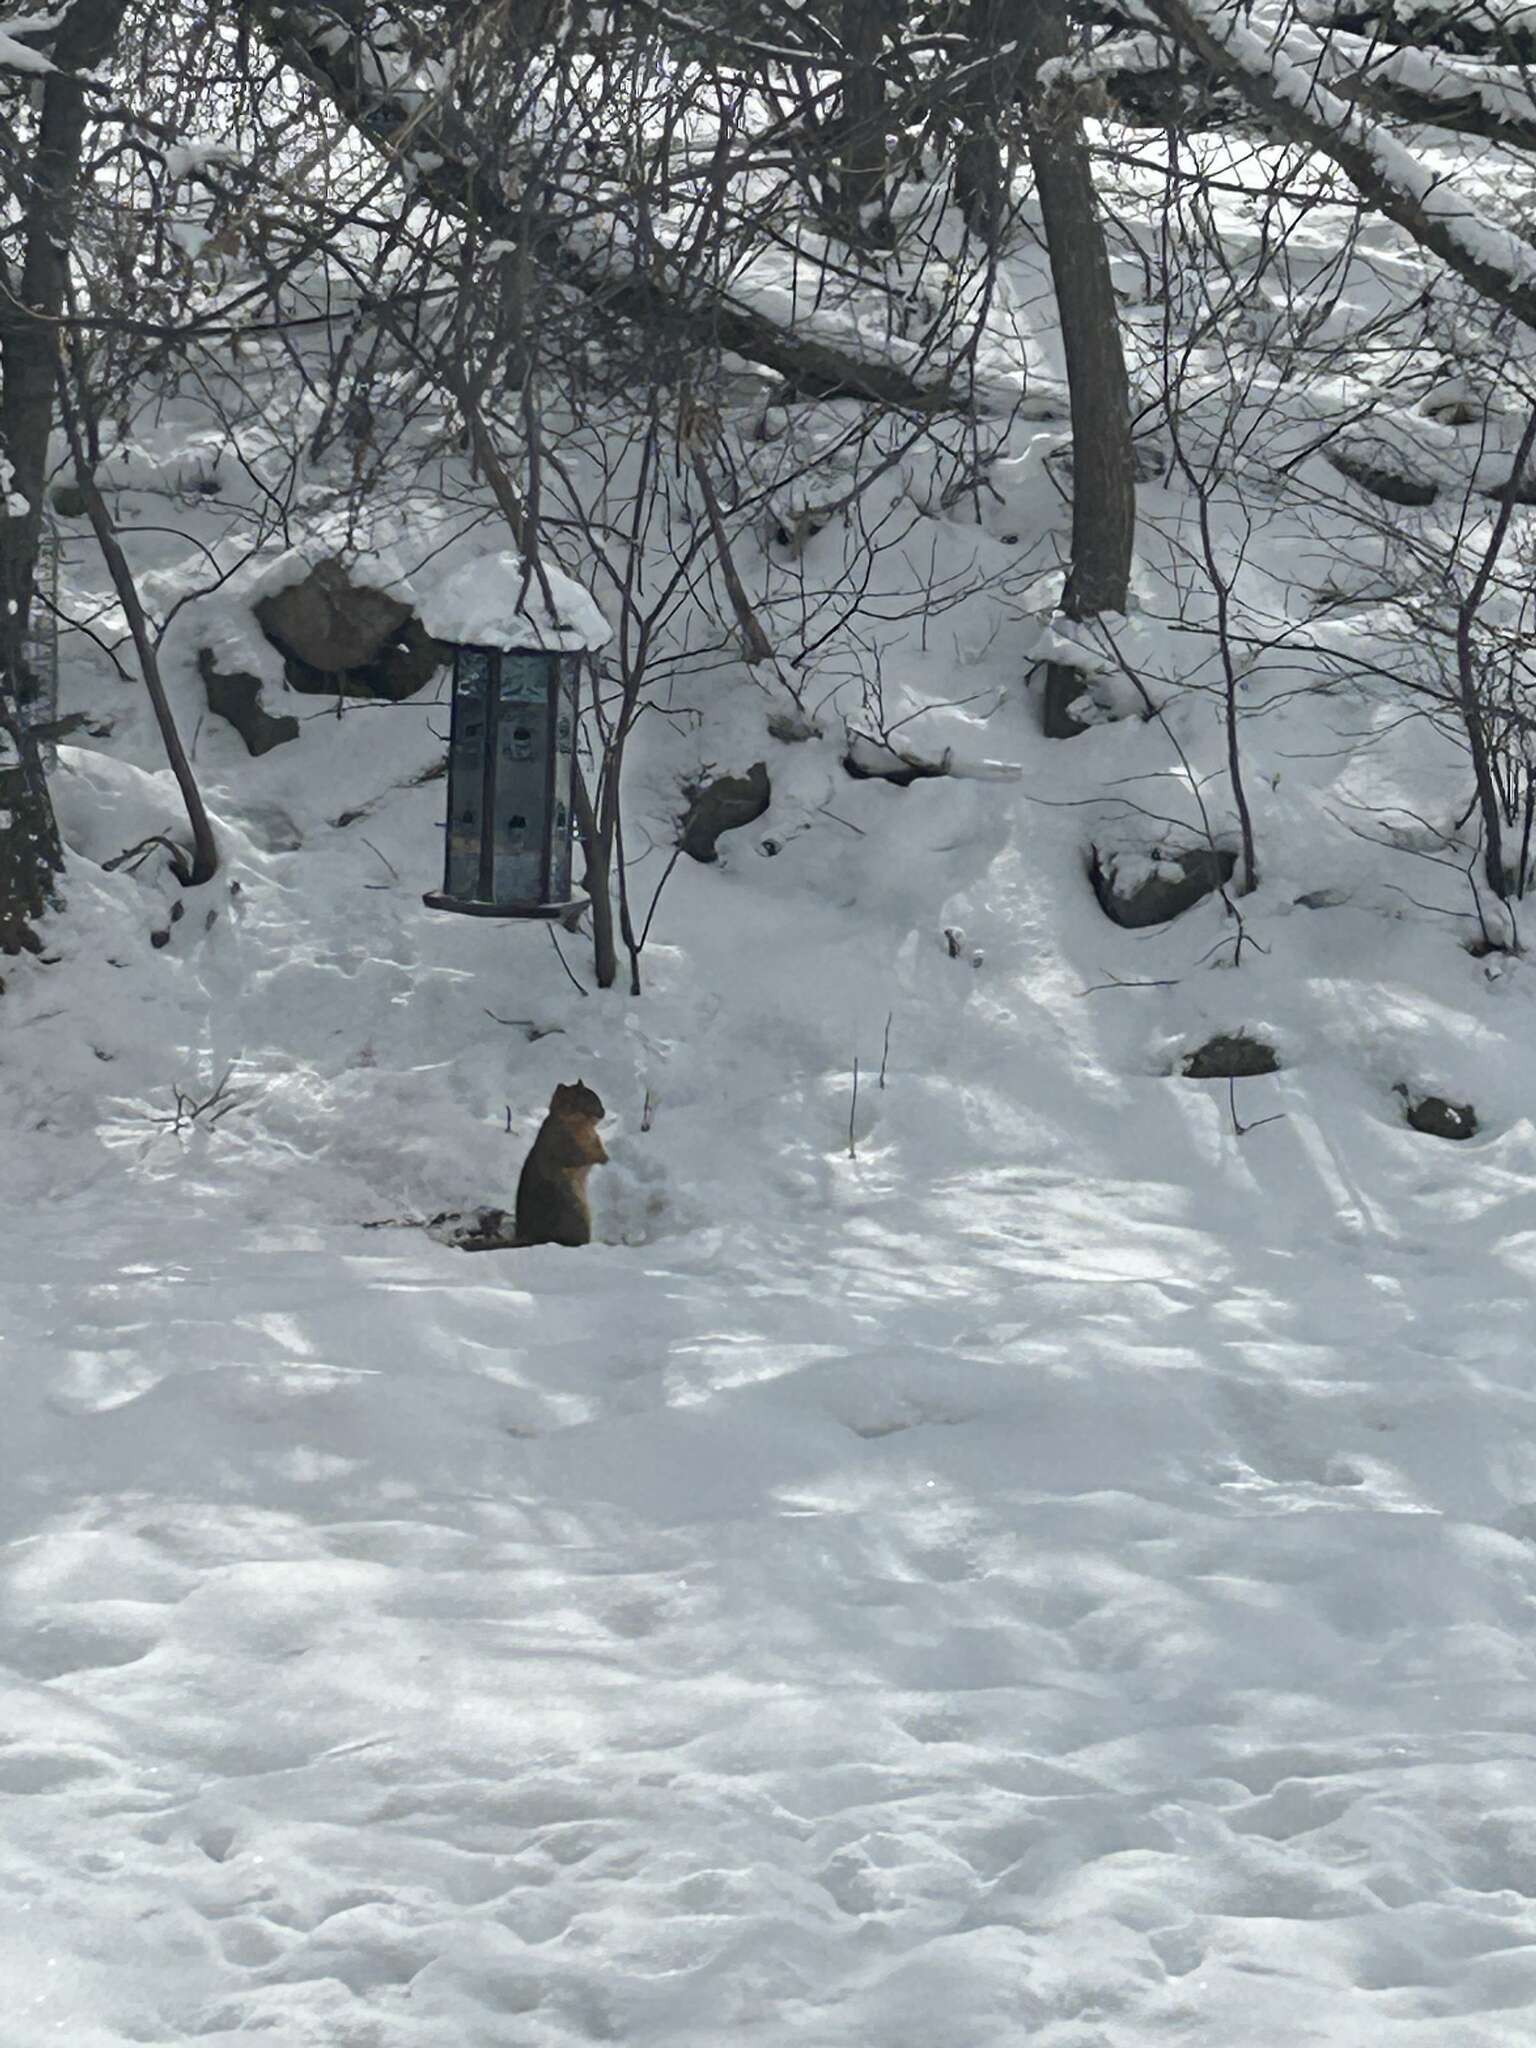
(500, 601)
(17, 56)
(1064, 1572)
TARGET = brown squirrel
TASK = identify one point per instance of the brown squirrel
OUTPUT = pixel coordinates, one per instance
(552, 1189)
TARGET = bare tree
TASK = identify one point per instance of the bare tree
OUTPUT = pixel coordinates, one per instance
(576, 246)
(204, 861)
(43, 189)
(1018, 72)
(865, 156)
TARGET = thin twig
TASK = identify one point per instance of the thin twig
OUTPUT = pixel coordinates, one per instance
(853, 1109)
(527, 1025)
(575, 984)
(1239, 1129)
(189, 1110)
(885, 1050)
(846, 823)
(645, 929)
(140, 853)
(382, 856)
(1115, 982)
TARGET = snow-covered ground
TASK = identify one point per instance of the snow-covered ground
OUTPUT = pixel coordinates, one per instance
(1065, 1572)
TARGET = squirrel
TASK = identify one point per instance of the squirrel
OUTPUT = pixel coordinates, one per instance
(552, 1189)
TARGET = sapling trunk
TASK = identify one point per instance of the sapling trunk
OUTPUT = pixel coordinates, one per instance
(204, 864)
(45, 187)
(1474, 711)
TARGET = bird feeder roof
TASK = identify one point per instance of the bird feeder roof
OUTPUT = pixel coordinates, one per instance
(497, 602)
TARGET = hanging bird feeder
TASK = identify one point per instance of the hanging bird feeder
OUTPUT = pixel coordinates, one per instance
(517, 665)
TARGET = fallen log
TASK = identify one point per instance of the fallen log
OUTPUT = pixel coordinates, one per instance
(418, 136)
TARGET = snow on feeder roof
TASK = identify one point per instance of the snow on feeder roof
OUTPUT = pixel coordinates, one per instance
(495, 602)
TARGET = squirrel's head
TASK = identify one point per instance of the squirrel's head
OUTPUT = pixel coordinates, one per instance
(576, 1099)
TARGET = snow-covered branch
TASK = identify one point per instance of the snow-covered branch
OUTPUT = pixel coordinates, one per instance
(1151, 73)
(1281, 79)
(16, 54)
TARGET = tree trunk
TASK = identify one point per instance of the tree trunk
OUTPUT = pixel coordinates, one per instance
(1103, 473)
(864, 169)
(1472, 699)
(597, 846)
(30, 853)
(997, 52)
(1009, 52)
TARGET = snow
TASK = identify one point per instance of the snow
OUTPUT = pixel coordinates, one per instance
(190, 158)
(11, 500)
(1061, 1570)
(1064, 1569)
(499, 601)
(17, 56)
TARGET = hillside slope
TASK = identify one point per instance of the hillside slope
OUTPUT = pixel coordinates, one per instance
(1064, 1570)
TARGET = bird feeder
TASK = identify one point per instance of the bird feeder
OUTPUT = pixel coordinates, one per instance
(517, 663)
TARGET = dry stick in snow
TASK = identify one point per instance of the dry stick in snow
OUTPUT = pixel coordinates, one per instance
(853, 1108)
(189, 1110)
(1239, 1129)
(575, 984)
(383, 857)
(645, 929)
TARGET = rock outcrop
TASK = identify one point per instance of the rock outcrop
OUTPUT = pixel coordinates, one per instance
(1140, 891)
(340, 638)
(722, 805)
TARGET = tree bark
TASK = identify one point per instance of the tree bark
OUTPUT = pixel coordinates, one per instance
(1000, 58)
(864, 169)
(1472, 699)
(30, 850)
(1103, 472)
(1015, 43)
(597, 847)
